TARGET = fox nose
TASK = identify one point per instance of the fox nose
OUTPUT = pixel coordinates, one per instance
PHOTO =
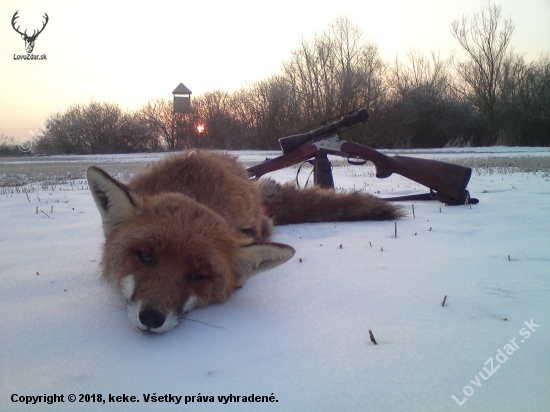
(151, 318)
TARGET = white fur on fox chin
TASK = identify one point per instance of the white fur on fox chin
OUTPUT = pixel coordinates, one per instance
(127, 287)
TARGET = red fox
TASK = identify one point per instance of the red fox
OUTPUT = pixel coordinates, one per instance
(191, 228)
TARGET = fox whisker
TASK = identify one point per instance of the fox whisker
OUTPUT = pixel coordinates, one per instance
(118, 308)
(204, 323)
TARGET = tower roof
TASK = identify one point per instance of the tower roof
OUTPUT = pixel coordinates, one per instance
(181, 89)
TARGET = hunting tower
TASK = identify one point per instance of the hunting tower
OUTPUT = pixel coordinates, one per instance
(182, 99)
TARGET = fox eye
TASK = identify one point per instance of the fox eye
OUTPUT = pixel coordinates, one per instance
(145, 257)
(197, 277)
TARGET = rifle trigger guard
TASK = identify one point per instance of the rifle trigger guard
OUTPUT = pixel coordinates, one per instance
(358, 162)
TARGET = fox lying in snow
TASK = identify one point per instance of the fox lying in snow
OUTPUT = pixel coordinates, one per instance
(191, 228)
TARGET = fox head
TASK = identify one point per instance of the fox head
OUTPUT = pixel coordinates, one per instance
(167, 254)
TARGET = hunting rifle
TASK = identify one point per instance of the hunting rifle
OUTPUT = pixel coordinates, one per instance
(447, 182)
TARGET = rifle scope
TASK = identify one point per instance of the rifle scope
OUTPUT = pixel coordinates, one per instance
(290, 143)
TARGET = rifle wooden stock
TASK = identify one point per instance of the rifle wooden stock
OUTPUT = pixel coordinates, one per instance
(445, 178)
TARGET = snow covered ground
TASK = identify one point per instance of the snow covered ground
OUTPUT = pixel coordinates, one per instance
(298, 335)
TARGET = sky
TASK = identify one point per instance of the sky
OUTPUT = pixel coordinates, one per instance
(130, 51)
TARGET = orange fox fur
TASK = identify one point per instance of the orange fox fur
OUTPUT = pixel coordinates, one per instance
(191, 228)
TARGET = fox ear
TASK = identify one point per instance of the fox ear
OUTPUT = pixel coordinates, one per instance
(112, 198)
(258, 257)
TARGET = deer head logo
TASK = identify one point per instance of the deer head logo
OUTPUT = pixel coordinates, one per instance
(29, 40)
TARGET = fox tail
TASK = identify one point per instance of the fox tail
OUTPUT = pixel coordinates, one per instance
(287, 204)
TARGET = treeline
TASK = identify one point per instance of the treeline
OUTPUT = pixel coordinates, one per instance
(487, 95)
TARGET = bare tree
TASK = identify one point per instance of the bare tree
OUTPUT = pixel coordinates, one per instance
(418, 111)
(428, 75)
(159, 115)
(304, 76)
(7, 145)
(94, 128)
(334, 73)
(373, 70)
(486, 40)
(526, 96)
(218, 112)
(343, 42)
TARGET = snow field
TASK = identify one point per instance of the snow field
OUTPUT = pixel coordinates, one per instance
(300, 331)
